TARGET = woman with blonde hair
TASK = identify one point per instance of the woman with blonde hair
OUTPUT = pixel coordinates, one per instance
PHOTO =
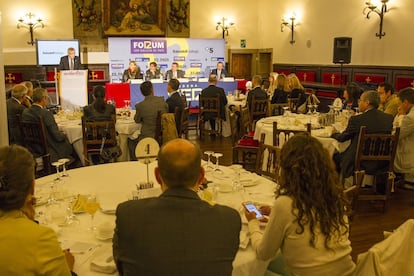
(272, 83)
(26, 248)
(133, 72)
(281, 92)
(296, 89)
(307, 221)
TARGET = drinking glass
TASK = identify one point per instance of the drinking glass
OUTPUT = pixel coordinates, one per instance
(286, 111)
(91, 205)
(209, 153)
(315, 108)
(217, 155)
(237, 185)
(57, 164)
(70, 216)
(63, 161)
(309, 109)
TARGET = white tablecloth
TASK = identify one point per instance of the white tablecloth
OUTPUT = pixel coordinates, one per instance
(124, 127)
(298, 122)
(114, 183)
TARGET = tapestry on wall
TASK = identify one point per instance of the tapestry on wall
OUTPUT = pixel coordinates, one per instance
(178, 18)
(87, 19)
(134, 17)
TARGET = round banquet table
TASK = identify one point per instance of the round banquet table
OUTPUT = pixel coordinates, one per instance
(125, 126)
(114, 183)
(298, 122)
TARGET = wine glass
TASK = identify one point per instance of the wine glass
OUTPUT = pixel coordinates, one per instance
(310, 109)
(63, 161)
(70, 217)
(57, 164)
(237, 186)
(315, 108)
(91, 205)
(209, 153)
(217, 155)
(286, 111)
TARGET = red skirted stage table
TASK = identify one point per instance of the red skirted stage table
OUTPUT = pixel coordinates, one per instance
(118, 92)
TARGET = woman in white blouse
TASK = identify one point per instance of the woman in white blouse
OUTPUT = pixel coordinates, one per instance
(307, 221)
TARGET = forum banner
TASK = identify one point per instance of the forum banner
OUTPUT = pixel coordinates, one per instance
(196, 57)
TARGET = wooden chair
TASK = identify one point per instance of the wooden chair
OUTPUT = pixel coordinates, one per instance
(184, 100)
(93, 134)
(209, 110)
(377, 148)
(184, 122)
(34, 139)
(258, 110)
(169, 127)
(268, 160)
(281, 136)
(351, 194)
(193, 112)
(276, 109)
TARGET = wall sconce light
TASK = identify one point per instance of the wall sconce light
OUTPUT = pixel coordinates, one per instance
(370, 7)
(224, 25)
(29, 22)
(291, 25)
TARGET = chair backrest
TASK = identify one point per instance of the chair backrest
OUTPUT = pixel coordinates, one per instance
(94, 132)
(34, 139)
(276, 109)
(233, 127)
(184, 100)
(169, 129)
(281, 136)
(245, 124)
(268, 160)
(293, 104)
(376, 147)
(351, 194)
(210, 106)
(183, 126)
(158, 128)
(258, 110)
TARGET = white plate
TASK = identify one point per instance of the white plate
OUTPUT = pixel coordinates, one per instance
(250, 183)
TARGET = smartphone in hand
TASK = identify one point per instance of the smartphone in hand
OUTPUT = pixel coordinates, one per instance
(249, 206)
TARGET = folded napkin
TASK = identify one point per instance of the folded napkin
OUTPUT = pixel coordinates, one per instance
(103, 260)
(77, 205)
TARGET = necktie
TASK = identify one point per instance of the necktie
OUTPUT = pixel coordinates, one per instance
(71, 67)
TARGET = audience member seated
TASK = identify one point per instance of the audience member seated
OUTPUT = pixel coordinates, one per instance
(256, 92)
(307, 221)
(281, 93)
(147, 115)
(404, 158)
(351, 97)
(389, 100)
(99, 110)
(153, 72)
(220, 72)
(133, 72)
(174, 100)
(15, 107)
(272, 84)
(59, 146)
(248, 87)
(176, 233)
(28, 99)
(376, 122)
(26, 248)
(296, 89)
(174, 72)
(212, 91)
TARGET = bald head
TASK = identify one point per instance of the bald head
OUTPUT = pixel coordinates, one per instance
(179, 163)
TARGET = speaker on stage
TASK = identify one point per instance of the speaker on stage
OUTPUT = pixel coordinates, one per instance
(342, 50)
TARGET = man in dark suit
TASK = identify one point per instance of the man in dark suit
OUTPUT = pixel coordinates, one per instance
(147, 114)
(70, 61)
(174, 72)
(176, 233)
(257, 92)
(375, 121)
(174, 101)
(213, 91)
(15, 107)
(220, 72)
(59, 146)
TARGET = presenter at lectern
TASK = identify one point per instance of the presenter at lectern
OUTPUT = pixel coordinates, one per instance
(70, 61)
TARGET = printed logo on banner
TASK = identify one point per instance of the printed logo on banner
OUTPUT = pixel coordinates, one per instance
(209, 50)
(148, 46)
(217, 59)
(117, 66)
(144, 59)
(196, 65)
(179, 58)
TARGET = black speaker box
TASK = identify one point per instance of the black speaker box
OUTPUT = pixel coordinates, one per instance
(342, 50)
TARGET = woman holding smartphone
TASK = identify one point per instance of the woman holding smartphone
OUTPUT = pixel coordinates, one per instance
(307, 221)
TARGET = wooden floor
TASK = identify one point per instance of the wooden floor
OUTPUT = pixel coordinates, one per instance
(369, 222)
